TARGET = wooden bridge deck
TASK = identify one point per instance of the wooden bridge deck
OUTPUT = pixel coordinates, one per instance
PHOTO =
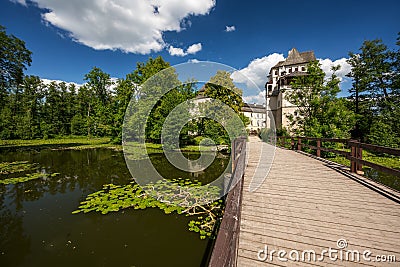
(305, 205)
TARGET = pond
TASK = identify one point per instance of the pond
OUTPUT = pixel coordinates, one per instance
(38, 229)
(383, 178)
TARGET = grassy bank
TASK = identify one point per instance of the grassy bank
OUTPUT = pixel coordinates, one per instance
(387, 161)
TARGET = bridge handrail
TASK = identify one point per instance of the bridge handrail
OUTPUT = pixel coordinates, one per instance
(355, 154)
(225, 248)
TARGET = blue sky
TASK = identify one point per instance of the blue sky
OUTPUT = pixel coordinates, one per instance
(68, 38)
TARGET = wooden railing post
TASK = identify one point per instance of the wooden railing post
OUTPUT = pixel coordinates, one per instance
(233, 154)
(359, 156)
(353, 154)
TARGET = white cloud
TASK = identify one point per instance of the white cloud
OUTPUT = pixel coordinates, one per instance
(257, 70)
(22, 2)
(114, 83)
(176, 51)
(230, 28)
(193, 60)
(326, 65)
(258, 99)
(135, 26)
(49, 81)
(194, 48)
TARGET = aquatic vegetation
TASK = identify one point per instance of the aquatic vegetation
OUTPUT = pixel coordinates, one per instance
(179, 195)
(7, 168)
(16, 166)
(28, 177)
(137, 151)
(73, 143)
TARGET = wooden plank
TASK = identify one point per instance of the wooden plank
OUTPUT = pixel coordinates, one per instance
(304, 204)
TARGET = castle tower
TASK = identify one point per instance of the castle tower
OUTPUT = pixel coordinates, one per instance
(279, 79)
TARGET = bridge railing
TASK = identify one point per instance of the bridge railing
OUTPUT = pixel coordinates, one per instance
(226, 244)
(354, 154)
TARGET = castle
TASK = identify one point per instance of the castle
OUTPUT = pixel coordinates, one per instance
(279, 79)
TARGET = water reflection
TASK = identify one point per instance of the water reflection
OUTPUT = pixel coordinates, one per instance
(38, 229)
(384, 178)
(14, 242)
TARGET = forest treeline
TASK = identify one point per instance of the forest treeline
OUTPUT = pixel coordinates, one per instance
(30, 108)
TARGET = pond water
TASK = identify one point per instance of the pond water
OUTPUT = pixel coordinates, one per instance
(38, 229)
(383, 178)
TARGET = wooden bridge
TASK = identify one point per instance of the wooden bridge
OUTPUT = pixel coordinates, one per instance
(307, 212)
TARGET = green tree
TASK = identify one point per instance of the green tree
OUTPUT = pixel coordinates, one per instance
(396, 69)
(318, 111)
(100, 115)
(359, 96)
(14, 59)
(32, 101)
(375, 57)
(126, 88)
(145, 70)
(221, 87)
(84, 111)
(150, 89)
(375, 92)
(124, 91)
(52, 124)
(100, 82)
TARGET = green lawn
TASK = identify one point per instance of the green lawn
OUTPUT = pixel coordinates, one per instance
(387, 161)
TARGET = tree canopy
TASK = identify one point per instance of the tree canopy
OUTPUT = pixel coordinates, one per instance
(375, 93)
(14, 59)
(319, 113)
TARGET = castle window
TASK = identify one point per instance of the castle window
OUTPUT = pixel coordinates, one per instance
(296, 69)
(276, 72)
(303, 68)
(290, 70)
